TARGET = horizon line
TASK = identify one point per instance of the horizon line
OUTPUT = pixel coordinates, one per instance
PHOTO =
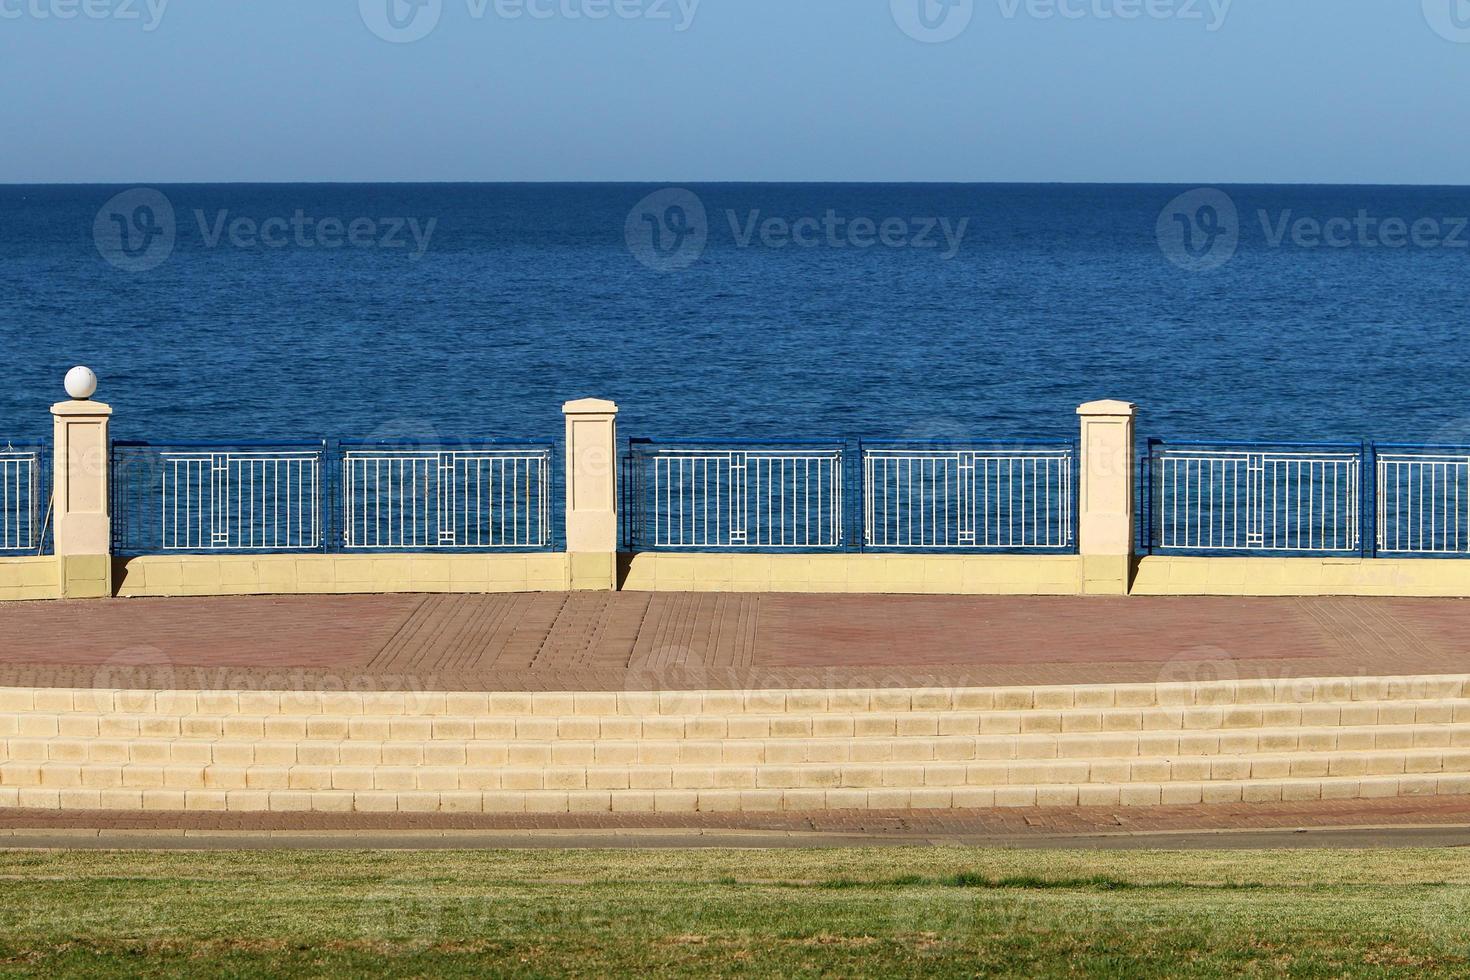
(1228, 182)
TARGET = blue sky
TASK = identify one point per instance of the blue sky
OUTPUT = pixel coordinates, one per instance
(694, 90)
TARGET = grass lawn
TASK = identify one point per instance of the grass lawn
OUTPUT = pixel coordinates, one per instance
(876, 912)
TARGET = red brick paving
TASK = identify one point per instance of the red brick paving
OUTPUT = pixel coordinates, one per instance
(1000, 822)
(629, 640)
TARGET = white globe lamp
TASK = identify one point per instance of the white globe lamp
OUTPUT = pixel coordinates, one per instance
(81, 383)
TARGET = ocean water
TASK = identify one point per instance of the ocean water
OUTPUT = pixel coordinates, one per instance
(514, 298)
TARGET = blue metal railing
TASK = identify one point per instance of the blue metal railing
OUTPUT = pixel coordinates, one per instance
(1421, 500)
(999, 497)
(1361, 499)
(850, 494)
(218, 497)
(24, 499)
(326, 495)
(1254, 498)
(483, 495)
(716, 495)
(815, 496)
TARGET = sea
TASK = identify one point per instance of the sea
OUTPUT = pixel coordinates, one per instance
(918, 312)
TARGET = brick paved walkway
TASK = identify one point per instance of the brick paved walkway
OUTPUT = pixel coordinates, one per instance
(1450, 811)
(620, 641)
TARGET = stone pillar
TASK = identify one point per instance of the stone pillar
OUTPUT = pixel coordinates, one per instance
(81, 511)
(592, 493)
(1106, 498)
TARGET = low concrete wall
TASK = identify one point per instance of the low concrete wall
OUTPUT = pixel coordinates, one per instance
(200, 575)
(30, 578)
(1303, 576)
(1042, 575)
(870, 573)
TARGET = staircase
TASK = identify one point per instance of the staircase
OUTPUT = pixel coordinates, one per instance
(1095, 745)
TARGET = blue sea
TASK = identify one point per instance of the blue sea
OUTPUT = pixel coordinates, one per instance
(908, 311)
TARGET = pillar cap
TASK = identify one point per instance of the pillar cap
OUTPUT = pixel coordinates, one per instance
(1108, 406)
(590, 406)
(81, 407)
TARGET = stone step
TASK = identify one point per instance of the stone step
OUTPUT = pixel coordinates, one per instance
(865, 750)
(714, 750)
(465, 777)
(38, 723)
(716, 800)
(808, 702)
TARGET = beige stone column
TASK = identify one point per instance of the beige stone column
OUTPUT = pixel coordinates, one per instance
(592, 493)
(81, 510)
(1105, 516)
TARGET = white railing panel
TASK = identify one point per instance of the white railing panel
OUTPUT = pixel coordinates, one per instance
(1282, 501)
(1004, 499)
(1423, 503)
(20, 500)
(416, 500)
(240, 500)
(739, 498)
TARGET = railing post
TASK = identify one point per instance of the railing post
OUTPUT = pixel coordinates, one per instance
(82, 501)
(1105, 531)
(1368, 501)
(1146, 515)
(332, 502)
(634, 499)
(592, 493)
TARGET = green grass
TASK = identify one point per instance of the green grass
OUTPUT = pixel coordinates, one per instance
(874, 912)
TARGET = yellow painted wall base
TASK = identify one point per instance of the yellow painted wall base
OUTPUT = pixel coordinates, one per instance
(1428, 577)
(85, 576)
(29, 578)
(593, 572)
(48, 577)
(893, 574)
(200, 575)
(1106, 574)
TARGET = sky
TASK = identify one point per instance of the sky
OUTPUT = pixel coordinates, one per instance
(1331, 91)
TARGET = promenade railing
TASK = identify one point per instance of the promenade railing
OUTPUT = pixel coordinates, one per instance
(328, 496)
(782, 496)
(200, 497)
(1423, 500)
(735, 495)
(22, 500)
(1366, 499)
(414, 499)
(850, 494)
(1228, 497)
(996, 497)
